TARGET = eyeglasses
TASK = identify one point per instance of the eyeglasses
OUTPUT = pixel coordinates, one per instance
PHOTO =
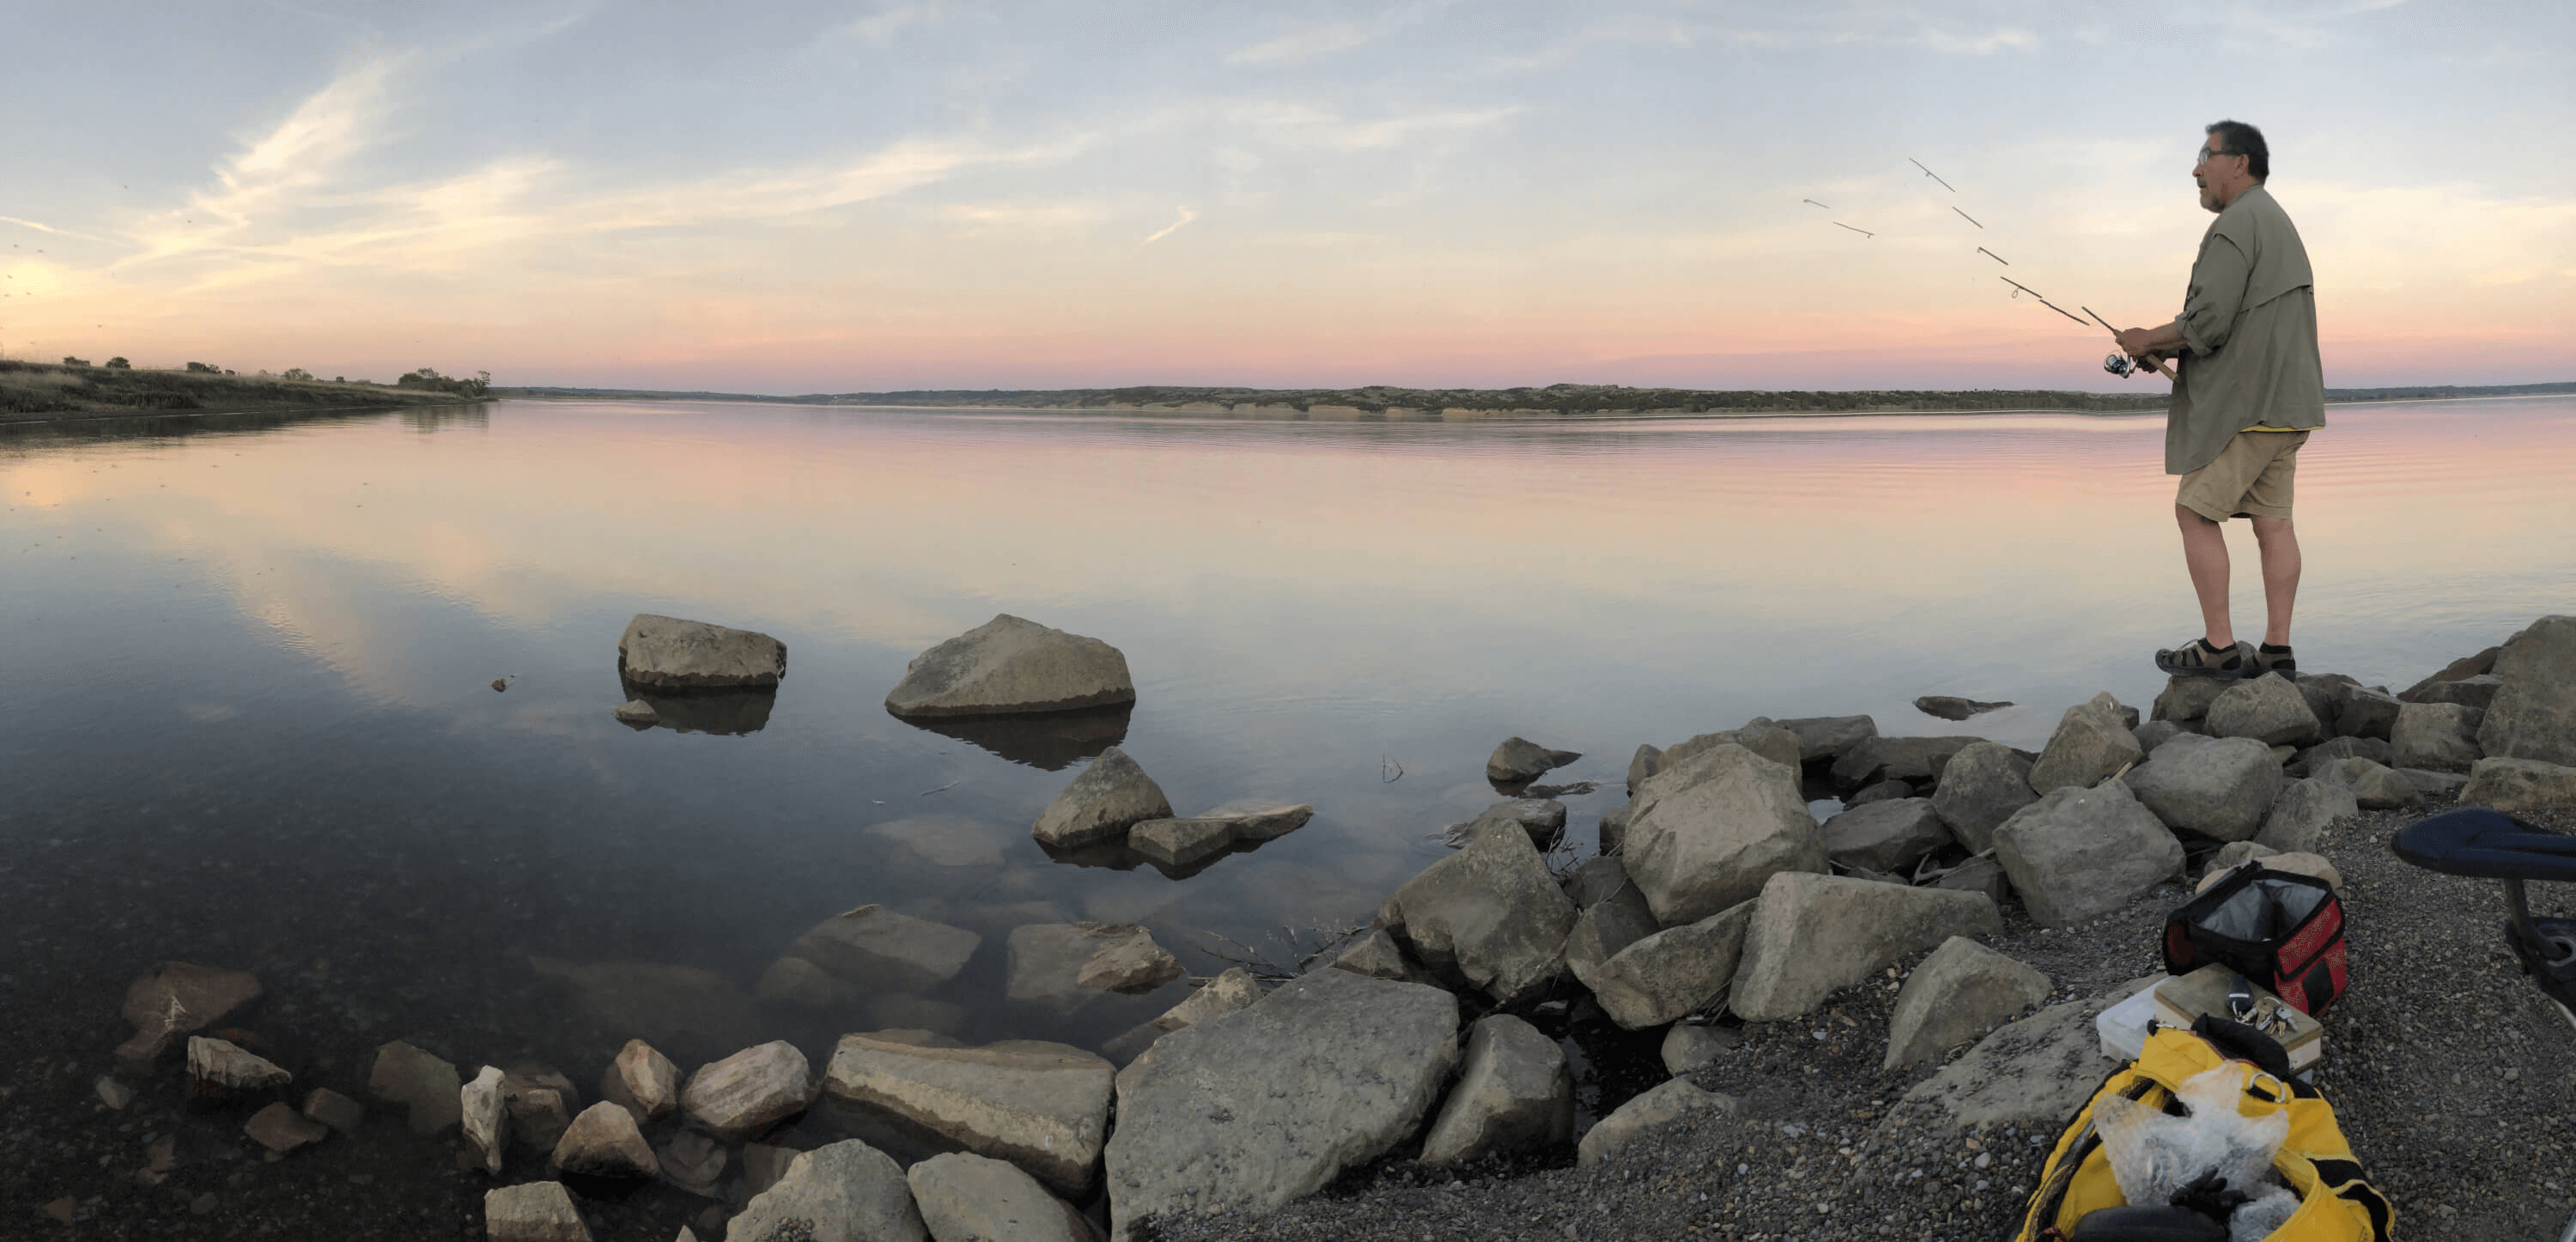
(2205, 154)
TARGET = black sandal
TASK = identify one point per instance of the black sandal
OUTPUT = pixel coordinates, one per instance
(2198, 659)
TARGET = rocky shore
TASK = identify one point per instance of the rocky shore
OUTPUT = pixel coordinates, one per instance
(1870, 1026)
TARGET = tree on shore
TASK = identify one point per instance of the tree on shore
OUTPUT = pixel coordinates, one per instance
(204, 368)
(430, 379)
(295, 373)
(70, 361)
(119, 364)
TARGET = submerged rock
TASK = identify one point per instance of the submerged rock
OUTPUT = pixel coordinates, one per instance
(1107, 799)
(604, 1141)
(671, 654)
(694, 1162)
(334, 1110)
(176, 999)
(746, 1093)
(636, 712)
(534, 1212)
(1012, 665)
(281, 1129)
(877, 948)
(218, 1067)
(642, 1081)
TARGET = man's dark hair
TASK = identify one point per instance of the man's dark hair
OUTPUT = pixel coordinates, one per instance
(2239, 138)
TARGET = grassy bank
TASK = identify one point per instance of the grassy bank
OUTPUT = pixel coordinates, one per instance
(45, 392)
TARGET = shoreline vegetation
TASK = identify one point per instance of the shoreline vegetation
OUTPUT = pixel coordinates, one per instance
(1379, 403)
(41, 392)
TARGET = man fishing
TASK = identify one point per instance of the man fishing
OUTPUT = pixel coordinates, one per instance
(2250, 389)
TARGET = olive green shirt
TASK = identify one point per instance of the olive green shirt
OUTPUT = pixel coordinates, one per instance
(2249, 328)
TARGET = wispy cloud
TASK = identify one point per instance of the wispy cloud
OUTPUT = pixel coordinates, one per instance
(1187, 214)
(1300, 124)
(47, 228)
(878, 29)
(1325, 38)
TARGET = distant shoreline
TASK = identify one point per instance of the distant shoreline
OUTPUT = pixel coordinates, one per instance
(44, 392)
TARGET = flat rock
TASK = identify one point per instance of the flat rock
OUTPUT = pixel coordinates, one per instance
(2479, 691)
(2268, 709)
(486, 1118)
(1952, 707)
(2091, 742)
(534, 1212)
(1252, 1109)
(672, 654)
(1982, 786)
(879, 949)
(1824, 739)
(2035, 1072)
(642, 1080)
(1770, 741)
(2376, 788)
(179, 999)
(1542, 818)
(2432, 784)
(1812, 934)
(844, 1192)
(969, 1198)
(2300, 814)
(694, 1162)
(334, 1110)
(1979, 874)
(1666, 974)
(1181, 842)
(2520, 786)
(2376, 750)
(1514, 1094)
(1065, 965)
(1520, 759)
(1707, 831)
(2219, 787)
(1044, 1109)
(1962, 988)
(746, 1093)
(1233, 990)
(1102, 803)
(219, 1067)
(2440, 736)
(635, 712)
(281, 1129)
(1889, 835)
(2078, 854)
(604, 1141)
(1657, 1108)
(1128, 960)
(2466, 666)
(1376, 955)
(2533, 714)
(2367, 712)
(1009, 665)
(1491, 913)
(1606, 927)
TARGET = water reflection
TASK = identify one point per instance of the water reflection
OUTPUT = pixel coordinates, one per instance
(724, 712)
(1049, 742)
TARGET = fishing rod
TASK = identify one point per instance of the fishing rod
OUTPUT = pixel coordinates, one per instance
(2121, 364)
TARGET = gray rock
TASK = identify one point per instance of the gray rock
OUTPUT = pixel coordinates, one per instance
(424, 1084)
(1514, 1094)
(2376, 788)
(2235, 852)
(281, 1129)
(1642, 765)
(1614, 828)
(218, 1067)
(1658, 978)
(795, 981)
(2219, 787)
(1887, 836)
(1255, 1108)
(1181, 842)
(1064, 965)
(2155, 733)
(2326, 694)
(2187, 699)
(2268, 709)
(2520, 786)
(1595, 879)
(694, 1162)
(2367, 713)
(844, 1192)
(334, 1110)
(1490, 912)
(1884, 791)
(1811, 934)
(2300, 814)
(1233, 990)
(486, 1118)
(1980, 874)
(1772, 742)
(1044, 1108)
(2478, 692)
(1982, 786)
(969, 1198)
(1128, 960)
(642, 1081)
(1918, 760)
(1657, 1108)
(2078, 854)
(1542, 818)
(1952, 707)
(878, 949)
(1520, 759)
(2534, 712)
(1707, 831)
(1375, 955)
(2035, 1072)
(1605, 928)
(746, 1093)
(538, 1115)
(2090, 743)
(178, 999)
(1262, 819)
(2440, 736)
(1687, 1047)
(605, 1142)
(1008, 665)
(1962, 988)
(1108, 798)
(2433, 784)
(2376, 750)
(534, 1212)
(2465, 666)
(1824, 739)
(635, 712)
(672, 654)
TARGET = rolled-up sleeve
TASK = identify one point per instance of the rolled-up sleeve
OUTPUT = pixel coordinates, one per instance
(2217, 292)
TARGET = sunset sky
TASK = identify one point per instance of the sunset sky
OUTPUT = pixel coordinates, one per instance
(817, 197)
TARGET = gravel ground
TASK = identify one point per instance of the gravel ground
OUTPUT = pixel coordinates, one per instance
(2452, 1077)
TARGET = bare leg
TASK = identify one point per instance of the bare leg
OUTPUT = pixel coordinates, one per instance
(2280, 544)
(2204, 552)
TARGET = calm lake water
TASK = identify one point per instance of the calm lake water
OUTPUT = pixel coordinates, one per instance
(250, 721)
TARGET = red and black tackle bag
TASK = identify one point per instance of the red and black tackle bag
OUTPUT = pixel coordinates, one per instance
(2281, 929)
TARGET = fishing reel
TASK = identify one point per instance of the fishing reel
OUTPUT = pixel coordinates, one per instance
(2120, 365)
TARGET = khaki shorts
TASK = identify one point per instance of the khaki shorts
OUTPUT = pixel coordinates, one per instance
(2250, 478)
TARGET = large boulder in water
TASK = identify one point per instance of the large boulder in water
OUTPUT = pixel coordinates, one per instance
(672, 654)
(1011, 665)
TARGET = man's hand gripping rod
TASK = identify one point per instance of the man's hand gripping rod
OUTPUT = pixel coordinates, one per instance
(2150, 360)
